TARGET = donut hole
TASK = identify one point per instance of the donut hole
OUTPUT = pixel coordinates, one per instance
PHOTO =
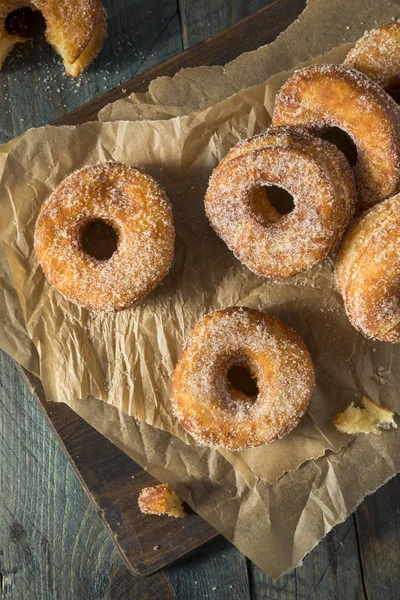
(394, 92)
(271, 202)
(241, 379)
(25, 22)
(99, 239)
(343, 142)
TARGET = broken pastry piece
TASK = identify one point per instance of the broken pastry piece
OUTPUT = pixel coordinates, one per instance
(75, 28)
(161, 500)
(372, 418)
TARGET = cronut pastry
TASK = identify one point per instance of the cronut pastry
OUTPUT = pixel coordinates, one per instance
(324, 96)
(368, 272)
(121, 201)
(377, 54)
(312, 170)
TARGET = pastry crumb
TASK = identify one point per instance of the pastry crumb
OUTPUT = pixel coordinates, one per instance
(371, 418)
(161, 500)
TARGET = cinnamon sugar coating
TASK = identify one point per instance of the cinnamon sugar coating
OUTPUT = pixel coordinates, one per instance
(75, 28)
(324, 96)
(312, 170)
(135, 206)
(161, 500)
(217, 414)
(377, 54)
(368, 272)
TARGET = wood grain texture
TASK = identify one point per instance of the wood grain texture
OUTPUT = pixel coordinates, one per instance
(122, 586)
(217, 570)
(113, 482)
(264, 26)
(377, 523)
(35, 90)
(200, 20)
(53, 545)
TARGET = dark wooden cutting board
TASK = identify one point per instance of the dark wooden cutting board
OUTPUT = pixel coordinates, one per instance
(110, 478)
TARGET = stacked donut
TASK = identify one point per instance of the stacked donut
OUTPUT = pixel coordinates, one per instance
(354, 98)
(326, 194)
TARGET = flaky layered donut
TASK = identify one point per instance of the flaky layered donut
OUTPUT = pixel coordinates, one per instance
(377, 54)
(131, 203)
(7, 40)
(75, 28)
(324, 96)
(215, 412)
(312, 170)
(368, 272)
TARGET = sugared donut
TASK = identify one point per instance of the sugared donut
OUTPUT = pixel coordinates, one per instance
(126, 201)
(75, 28)
(312, 170)
(377, 54)
(215, 412)
(324, 96)
(368, 272)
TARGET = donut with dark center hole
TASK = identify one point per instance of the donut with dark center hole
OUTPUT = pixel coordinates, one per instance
(134, 219)
(215, 412)
(312, 170)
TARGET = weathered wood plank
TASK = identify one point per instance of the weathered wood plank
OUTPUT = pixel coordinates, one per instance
(35, 90)
(124, 587)
(113, 482)
(332, 570)
(200, 20)
(244, 8)
(378, 530)
(216, 571)
(52, 543)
